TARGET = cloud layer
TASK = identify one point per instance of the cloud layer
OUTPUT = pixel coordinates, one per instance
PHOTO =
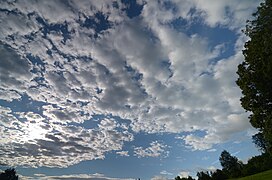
(73, 177)
(75, 61)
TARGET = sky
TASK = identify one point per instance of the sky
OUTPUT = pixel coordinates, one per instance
(124, 89)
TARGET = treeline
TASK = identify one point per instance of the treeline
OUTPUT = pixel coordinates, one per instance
(234, 168)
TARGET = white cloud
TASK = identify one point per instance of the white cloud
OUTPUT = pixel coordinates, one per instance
(122, 153)
(54, 145)
(155, 149)
(201, 143)
(15, 73)
(227, 12)
(184, 174)
(212, 150)
(18, 24)
(164, 172)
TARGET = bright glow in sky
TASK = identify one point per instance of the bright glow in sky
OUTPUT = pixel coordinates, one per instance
(121, 89)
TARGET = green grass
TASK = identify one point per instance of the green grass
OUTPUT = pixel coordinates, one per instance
(266, 175)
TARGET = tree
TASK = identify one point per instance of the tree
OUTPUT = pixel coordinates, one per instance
(230, 164)
(177, 178)
(218, 175)
(255, 72)
(203, 175)
(9, 174)
(258, 164)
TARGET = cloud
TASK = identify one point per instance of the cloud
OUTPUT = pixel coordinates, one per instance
(200, 143)
(212, 150)
(73, 177)
(122, 153)
(229, 13)
(165, 173)
(155, 149)
(142, 69)
(15, 74)
(55, 145)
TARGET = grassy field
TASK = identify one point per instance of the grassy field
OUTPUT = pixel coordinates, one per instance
(266, 175)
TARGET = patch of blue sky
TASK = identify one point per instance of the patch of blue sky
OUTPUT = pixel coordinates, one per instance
(61, 28)
(95, 119)
(24, 104)
(35, 60)
(144, 139)
(154, 165)
(122, 166)
(136, 77)
(179, 159)
(166, 64)
(134, 74)
(118, 166)
(215, 35)
(99, 22)
(243, 143)
(133, 9)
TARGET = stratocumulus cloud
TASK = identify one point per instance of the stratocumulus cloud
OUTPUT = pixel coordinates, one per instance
(74, 73)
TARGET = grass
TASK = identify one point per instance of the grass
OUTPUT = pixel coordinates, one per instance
(266, 175)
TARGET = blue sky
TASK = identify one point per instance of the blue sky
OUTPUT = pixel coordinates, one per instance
(121, 89)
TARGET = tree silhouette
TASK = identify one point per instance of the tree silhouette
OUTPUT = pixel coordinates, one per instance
(203, 175)
(9, 174)
(218, 175)
(230, 164)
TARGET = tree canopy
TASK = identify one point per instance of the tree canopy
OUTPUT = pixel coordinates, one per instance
(230, 164)
(255, 72)
(9, 174)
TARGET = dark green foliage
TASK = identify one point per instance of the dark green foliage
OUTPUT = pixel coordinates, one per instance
(230, 164)
(177, 178)
(203, 175)
(218, 175)
(255, 73)
(9, 174)
(258, 164)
